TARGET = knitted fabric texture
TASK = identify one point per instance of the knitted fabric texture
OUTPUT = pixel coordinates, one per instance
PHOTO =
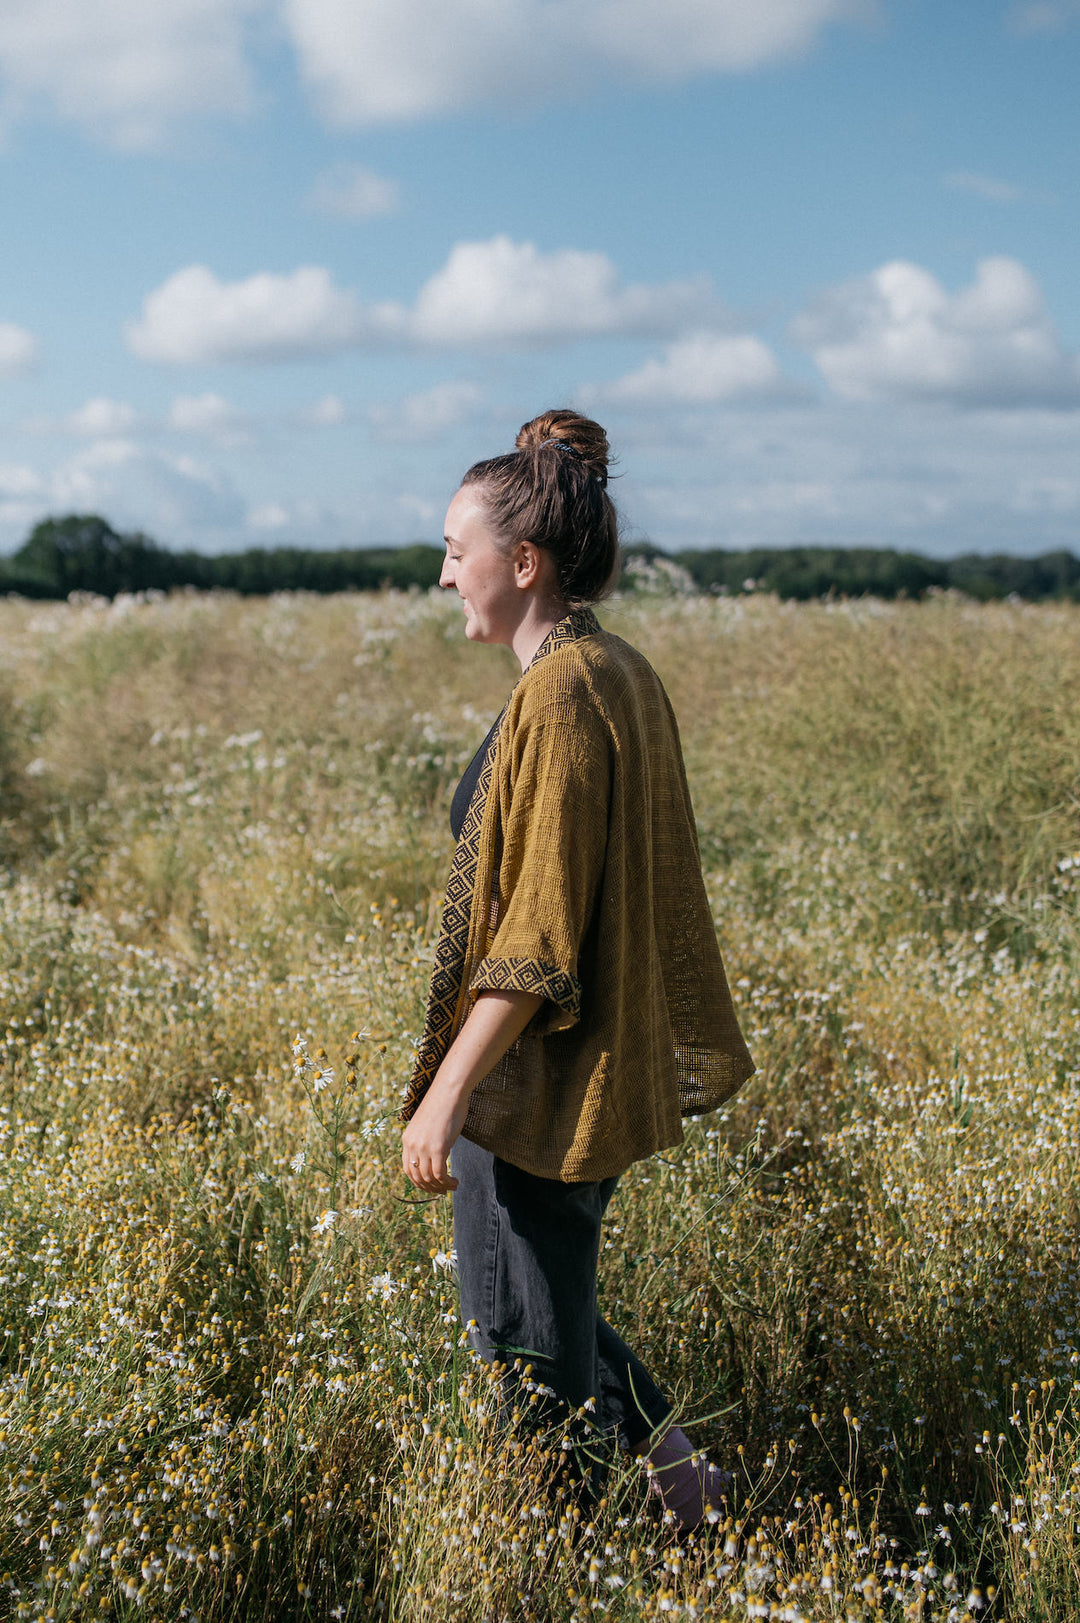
(577, 877)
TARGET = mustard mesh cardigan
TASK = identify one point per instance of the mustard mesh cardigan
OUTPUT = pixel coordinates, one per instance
(577, 877)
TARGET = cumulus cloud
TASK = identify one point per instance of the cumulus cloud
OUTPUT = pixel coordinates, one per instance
(173, 497)
(18, 480)
(503, 292)
(125, 69)
(178, 499)
(702, 368)
(427, 415)
(102, 418)
(897, 333)
(354, 193)
(308, 522)
(328, 412)
(129, 70)
(193, 318)
(856, 474)
(99, 418)
(267, 516)
(371, 61)
(495, 294)
(209, 416)
(18, 349)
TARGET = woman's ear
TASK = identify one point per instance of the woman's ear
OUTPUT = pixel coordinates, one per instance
(528, 564)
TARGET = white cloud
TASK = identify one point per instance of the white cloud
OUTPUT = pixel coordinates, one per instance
(891, 473)
(503, 292)
(101, 418)
(855, 474)
(495, 294)
(125, 69)
(984, 186)
(209, 416)
(700, 369)
(897, 333)
(18, 349)
(419, 508)
(371, 61)
(993, 190)
(173, 497)
(1044, 16)
(427, 415)
(328, 412)
(353, 192)
(309, 523)
(200, 414)
(269, 516)
(17, 480)
(178, 500)
(128, 71)
(193, 318)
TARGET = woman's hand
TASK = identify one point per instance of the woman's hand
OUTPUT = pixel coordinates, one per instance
(495, 1020)
(429, 1137)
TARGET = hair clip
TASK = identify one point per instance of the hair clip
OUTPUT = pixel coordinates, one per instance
(561, 445)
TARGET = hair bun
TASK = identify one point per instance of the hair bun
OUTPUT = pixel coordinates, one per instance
(552, 492)
(558, 431)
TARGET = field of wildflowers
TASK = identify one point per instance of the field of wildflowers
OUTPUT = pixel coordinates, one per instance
(232, 1384)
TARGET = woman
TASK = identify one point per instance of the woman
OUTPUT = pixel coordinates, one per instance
(578, 1006)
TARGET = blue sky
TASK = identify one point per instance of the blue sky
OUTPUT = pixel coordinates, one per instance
(277, 271)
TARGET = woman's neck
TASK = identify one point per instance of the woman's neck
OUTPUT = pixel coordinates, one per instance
(534, 627)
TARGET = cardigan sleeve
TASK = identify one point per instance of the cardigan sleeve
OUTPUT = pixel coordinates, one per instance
(554, 803)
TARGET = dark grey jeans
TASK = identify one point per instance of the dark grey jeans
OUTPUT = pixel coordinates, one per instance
(527, 1251)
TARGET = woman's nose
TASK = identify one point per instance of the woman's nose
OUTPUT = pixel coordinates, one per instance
(446, 574)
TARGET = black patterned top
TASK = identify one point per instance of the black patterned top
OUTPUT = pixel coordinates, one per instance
(469, 779)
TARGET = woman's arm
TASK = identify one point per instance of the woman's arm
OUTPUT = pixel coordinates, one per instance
(494, 1021)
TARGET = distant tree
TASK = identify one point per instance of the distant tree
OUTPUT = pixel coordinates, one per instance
(298, 569)
(806, 572)
(1053, 575)
(83, 553)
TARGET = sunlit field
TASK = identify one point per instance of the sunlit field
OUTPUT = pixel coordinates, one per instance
(232, 1382)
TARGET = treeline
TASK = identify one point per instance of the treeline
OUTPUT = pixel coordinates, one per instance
(807, 572)
(83, 553)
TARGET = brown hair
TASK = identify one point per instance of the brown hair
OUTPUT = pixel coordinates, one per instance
(552, 491)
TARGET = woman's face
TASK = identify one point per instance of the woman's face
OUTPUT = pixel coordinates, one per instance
(478, 568)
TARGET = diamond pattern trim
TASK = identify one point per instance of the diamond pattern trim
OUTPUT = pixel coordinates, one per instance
(448, 995)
